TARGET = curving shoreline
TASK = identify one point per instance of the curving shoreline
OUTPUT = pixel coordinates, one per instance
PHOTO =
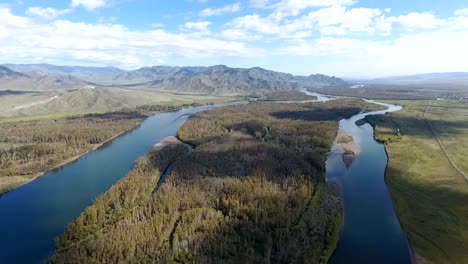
(65, 162)
(367, 199)
(351, 148)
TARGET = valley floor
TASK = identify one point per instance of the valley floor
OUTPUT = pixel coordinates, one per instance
(44, 130)
(63, 103)
(424, 142)
(252, 190)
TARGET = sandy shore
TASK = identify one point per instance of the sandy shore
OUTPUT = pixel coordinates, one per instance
(351, 147)
(167, 141)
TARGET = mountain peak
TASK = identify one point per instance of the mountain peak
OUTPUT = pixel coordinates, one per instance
(7, 73)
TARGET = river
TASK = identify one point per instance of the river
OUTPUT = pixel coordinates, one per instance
(32, 215)
(371, 231)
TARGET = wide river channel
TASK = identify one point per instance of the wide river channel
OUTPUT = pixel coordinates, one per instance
(32, 215)
(371, 231)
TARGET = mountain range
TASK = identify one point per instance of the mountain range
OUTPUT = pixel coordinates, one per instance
(13, 80)
(437, 78)
(213, 80)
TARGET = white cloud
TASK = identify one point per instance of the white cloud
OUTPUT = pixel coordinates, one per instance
(461, 12)
(198, 26)
(24, 40)
(90, 4)
(284, 8)
(255, 23)
(334, 20)
(422, 52)
(414, 20)
(349, 37)
(258, 3)
(235, 34)
(46, 13)
(342, 20)
(222, 10)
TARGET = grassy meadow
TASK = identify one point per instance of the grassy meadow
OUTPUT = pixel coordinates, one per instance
(431, 197)
(91, 100)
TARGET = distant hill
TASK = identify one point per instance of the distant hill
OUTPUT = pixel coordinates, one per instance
(214, 80)
(222, 80)
(148, 74)
(88, 99)
(6, 73)
(83, 72)
(426, 78)
(13, 80)
(85, 99)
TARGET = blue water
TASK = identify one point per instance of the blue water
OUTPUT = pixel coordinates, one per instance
(32, 215)
(371, 231)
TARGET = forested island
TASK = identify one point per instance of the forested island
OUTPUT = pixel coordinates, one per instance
(252, 190)
(289, 96)
(30, 148)
(33, 146)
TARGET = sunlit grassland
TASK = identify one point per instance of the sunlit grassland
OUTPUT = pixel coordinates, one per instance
(84, 101)
(430, 195)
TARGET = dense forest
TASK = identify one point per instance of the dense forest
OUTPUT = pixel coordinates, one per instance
(288, 96)
(153, 108)
(251, 190)
(382, 92)
(28, 148)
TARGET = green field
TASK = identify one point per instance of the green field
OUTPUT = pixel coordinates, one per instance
(430, 195)
(91, 100)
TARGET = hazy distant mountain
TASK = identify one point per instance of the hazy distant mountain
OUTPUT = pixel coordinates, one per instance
(214, 80)
(148, 74)
(13, 80)
(82, 72)
(220, 79)
(6, 73)
(85, 99)
(426, 78)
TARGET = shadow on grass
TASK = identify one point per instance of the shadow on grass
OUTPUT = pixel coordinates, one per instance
(417, 126)
(434, 214)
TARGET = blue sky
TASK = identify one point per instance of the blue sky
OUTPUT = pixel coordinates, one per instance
(347, 38)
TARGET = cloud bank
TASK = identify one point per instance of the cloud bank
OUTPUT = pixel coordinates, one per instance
(347, 39)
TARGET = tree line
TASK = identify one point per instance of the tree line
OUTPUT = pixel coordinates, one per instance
(252, 190)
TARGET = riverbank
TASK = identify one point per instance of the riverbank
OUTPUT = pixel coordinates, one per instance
(369, 215)
(61, 195)
(245, 177)
(429, 193)
(9, 183)
(170, 141)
